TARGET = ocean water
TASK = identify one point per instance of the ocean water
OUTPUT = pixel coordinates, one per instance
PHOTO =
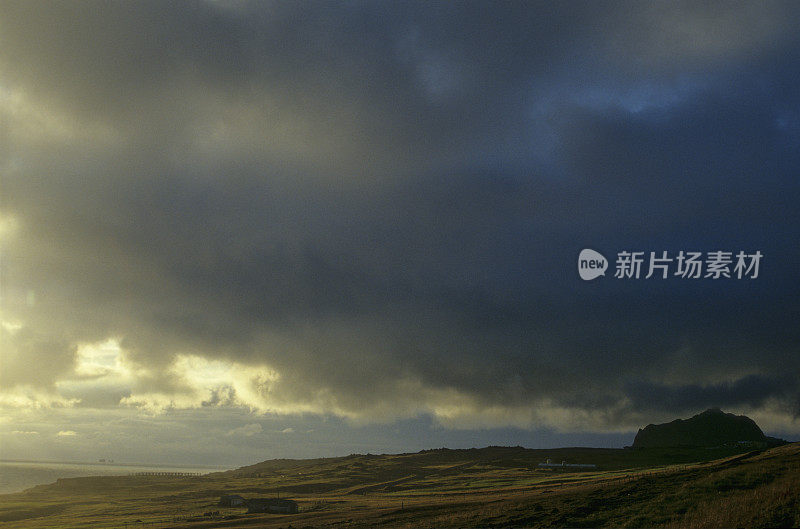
(16, 476)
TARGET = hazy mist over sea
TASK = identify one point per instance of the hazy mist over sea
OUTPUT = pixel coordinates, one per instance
(16, 476)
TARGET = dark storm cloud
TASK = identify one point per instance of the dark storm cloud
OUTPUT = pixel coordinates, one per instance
(367, 197)
(751, 391)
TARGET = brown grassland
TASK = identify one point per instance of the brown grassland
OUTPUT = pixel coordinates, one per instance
(491, 487)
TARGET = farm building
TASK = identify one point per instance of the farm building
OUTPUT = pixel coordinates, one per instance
(567, 466)
(272, 505)
(232, 500)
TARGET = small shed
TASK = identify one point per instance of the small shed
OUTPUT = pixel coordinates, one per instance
(272, 505)
(231, 500)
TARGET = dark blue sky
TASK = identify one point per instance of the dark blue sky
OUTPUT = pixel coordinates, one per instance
(263, 220)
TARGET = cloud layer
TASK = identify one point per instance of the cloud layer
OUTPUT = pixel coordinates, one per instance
(373, 211)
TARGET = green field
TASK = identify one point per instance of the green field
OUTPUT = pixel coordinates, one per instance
(490, 487)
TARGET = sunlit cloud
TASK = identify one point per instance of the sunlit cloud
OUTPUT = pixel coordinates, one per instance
(11, 326)
(66, 433)
(100, 359)
(203, 382)
(25, 397)
(248, 430)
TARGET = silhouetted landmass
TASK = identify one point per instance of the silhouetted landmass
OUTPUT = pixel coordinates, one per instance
(711, 428)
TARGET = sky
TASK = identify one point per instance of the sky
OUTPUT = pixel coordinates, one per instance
(236, 231)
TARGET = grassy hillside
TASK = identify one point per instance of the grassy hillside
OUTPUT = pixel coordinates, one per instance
(490, 487)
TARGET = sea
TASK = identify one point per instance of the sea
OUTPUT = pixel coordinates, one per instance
(16, 476)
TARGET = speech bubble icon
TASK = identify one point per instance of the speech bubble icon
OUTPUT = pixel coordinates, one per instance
(591, 264)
